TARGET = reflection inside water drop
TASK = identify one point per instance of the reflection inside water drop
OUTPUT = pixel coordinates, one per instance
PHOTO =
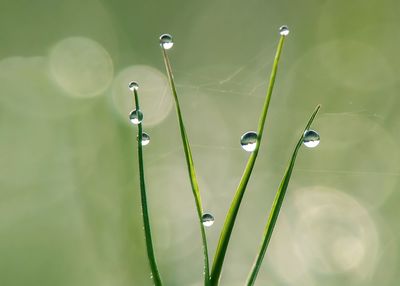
(133, 86)
(311, 138)
(166, 41)
(145, 139)
(207, 219)
(136, 117)
(249, 141)
(284, 30)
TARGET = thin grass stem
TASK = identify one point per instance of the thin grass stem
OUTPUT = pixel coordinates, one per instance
(276, 206)
(190, 166)
(234, 208)
(145, 213)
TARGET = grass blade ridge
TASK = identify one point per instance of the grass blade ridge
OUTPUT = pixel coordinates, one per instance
(277, 204)
(145, 213)
(190, 166)
(234, 208)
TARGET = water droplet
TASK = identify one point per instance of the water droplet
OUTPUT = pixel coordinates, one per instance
(133, 86)
(284, 30)
(136, 117)
(207, 219)
(145, 139)
(249, 141)
(166, 41)
(311, 138)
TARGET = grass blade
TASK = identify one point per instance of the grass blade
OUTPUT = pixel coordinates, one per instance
(145, 213)
(234, 208)
(276, 206)
(190, 166)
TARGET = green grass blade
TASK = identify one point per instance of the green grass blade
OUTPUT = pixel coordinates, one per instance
(234, 208)
(190, 166)
(145, 213)
(276, 206)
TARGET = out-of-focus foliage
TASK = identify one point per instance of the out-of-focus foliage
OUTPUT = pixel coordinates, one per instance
(69, 196)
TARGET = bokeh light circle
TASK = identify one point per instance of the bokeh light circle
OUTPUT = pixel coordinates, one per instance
(81, 66)
(324, 231)
(334, 232)
(154, 94)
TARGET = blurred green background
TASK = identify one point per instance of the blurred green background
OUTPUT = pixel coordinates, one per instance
(69, 199)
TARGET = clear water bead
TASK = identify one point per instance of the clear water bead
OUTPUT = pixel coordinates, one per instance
(166, 41)
(136, 117)
(207, 219)
(284, 30)
(311, 138)
(145, 139)
(133, 86)
(249, 141)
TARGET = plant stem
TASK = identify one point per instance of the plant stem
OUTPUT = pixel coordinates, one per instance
(190, 166)
(234, 208)
(276, 206)
(145, 213)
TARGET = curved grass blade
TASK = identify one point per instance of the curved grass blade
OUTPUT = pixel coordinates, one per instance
(145, 213)
(234, 208)
(276, 206)
(190, 166)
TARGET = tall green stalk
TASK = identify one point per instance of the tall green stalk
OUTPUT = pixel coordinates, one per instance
(145, 213)
(277, 204)
(234, 208)
(190, 166)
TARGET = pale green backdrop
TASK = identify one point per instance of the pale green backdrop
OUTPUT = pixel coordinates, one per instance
(69, 200)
